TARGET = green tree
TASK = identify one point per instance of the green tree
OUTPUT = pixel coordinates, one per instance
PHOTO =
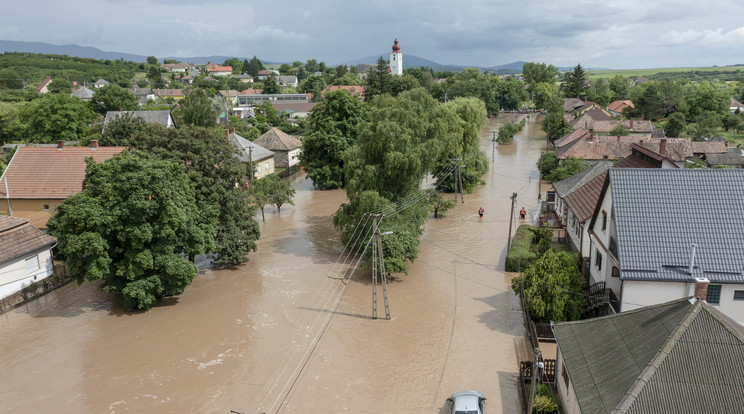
(471, 82)
(131, 227)
(552, 288)
(235, 64)
(270, 86)
(555, 125)
(619, 131)
(331, 129)
(599, 91)
(571, 166)
(574, 82)
(57, 116)
(545, 95)
(379, 80)
(314, 85)
(675, 124)
(510, 93)
(60, 85)
(155, 77)
(123, 130)
(535, 73)
(439, 204)
(253, 67)
(619, 87)
(731, 122)
(547, 163)
(113, 98)
(197, 109)
(271, 189)
(403, 83)
(10, 122)
(217, 176)
(152, 60)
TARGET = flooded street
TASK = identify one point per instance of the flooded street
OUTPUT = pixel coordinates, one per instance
(283, 334)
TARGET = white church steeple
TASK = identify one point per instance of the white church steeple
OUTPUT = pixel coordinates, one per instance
(396, 60)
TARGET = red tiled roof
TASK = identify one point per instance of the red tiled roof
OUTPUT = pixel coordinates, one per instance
(618, 106)
(585, 198)
(168, 92)
(44, 83)
(50, 173)
(18, 238)
(677, 149)
(251, 91)
(219, 69)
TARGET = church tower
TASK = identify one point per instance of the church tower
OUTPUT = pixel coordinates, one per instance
(396, 60)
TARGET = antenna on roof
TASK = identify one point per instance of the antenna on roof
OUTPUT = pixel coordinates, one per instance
(693, 248)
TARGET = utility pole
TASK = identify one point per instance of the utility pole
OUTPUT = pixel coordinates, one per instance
(250, 163)
(511, 218)
(458, 181)
(493, 147)
(378, 266)
(535, 362)
(539, 177)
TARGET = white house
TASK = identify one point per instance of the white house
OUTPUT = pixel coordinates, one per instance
(25, 255)
(656, 232)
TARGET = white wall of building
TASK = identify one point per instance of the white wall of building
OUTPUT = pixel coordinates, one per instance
(18, 273)
(294, 157)
(566, 394)
(600, 245)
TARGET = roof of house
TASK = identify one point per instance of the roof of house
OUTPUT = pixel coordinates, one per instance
(589, 118)
(142, 91)
(232, 93)
(44, 83)
(82, 93)
(244, 76)
(659, 213)
(618, 106)
(633, 125)
(287, 78)
(155, 117)
(570, 138)
(353, 89)
(732, 157)
(685, 357)
(168, 92)
(101, 82)
(364, 67)
(18, 238)
(574, 182)
(642, 157)
(244, 154)
(277, 140)
(735, 103)
(584, 199)
(216, 68)
(569, 104)
(50, 173)
(614, 147)
(251, 91)
(294, 107)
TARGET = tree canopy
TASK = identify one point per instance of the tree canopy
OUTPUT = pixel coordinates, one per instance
(132, 226)
(113, 98)
(574, 82)
(197, 109)
(57, 116)
(379, 80)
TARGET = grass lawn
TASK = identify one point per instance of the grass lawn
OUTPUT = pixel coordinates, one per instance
(641, 73)
(734, 140)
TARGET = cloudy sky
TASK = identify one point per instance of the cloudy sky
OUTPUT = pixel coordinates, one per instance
(612, 34)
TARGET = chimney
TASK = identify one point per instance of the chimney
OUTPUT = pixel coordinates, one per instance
(94, 145)
(640, 142)
(631, 124)
(605, 157)
(662, 146)
(643, 117)
(591, 134)
(618, 138)
(60, 144)
(701, 288)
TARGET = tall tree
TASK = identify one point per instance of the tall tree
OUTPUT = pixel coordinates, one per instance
(331, 129)
(123, 130)
(270, 86)
(675, 124)
(217, 176)
(510, 93)
(254, 66)
(155, 76)
(574, 82)
(620, 87)
(535, 73)
(132, 226)
(152, 60)
(379, 80)
(57, 116)
(197, 109)
(113, 98)
(271, 189)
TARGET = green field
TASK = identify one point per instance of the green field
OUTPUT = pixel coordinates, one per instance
(645, 73)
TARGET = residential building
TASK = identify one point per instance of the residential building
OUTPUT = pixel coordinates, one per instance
(733, 157)
(655, 232)
(286, 147)
(44, 85)
(287, 81)
(266, 73)
(616, 107)
(736, 106)
(572, 104)
(25, 255)
(83, 93)
(598, 147)
(177, 67)
(566, 187)
(39, 178)
(252, 99)
(363, 69)
(295, 110)
(231, 95)
(176, 94)
(253, 154)
(163, 118)
(215, 70)
(245, 78)
(143, 94)
(100, 83)
(682, 356)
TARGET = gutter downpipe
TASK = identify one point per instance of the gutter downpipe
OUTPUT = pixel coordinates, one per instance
(7, 197)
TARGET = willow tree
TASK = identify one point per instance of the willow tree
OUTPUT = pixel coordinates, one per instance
(402, 141)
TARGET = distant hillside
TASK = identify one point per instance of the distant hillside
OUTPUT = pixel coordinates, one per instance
(69, 50)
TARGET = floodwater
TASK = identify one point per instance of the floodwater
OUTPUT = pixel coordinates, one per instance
(283, 334)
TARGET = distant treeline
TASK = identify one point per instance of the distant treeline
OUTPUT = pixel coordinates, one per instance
(698, 75)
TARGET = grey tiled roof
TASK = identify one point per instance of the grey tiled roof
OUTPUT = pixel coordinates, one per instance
(241, 144)
(574, 182)
(660, 212)
(82, 93)
(156, 117)
(675, 357)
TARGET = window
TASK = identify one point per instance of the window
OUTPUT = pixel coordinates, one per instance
(46, 206)
(598, 260)
(564, 374)
(714, 295)
(739, 295)
(259, 168)
(267, 167)
(604, 220)
(615, 271)
(32, 264)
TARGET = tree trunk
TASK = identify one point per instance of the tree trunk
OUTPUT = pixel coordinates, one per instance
(263, 218)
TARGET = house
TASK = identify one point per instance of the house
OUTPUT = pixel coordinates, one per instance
(44, 85)
(83, 93)
(579, 203)
(252, 98)
(39, 178)
(567, 141)
(245, 78)
(654, 232)
(363, 69)
(682, 356)
(735, 106)
(215, 70)
(595, 148)
(616, 107)
(295, 110)
(25, 255)
(587, 118)
(287, 81)
(572, 104)
(565, 187)
(266, 73)
(163, 118)
(251, 153)
(169, 93)
(186, 79)
(733, 157)
(286, 147)
(356, 90)
(641, 128)
(100, 83)
(143, 94)
(176, 67)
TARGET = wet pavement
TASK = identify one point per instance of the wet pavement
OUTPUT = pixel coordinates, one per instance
(283, 334)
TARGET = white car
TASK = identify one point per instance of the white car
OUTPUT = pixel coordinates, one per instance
(467, 402)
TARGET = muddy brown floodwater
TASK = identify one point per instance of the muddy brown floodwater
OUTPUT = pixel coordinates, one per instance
(283, 334)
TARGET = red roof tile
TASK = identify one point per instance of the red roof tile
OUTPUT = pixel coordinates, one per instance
(50, 173)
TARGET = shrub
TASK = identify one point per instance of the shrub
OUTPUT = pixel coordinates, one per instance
(521, 254)
(544, 404)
